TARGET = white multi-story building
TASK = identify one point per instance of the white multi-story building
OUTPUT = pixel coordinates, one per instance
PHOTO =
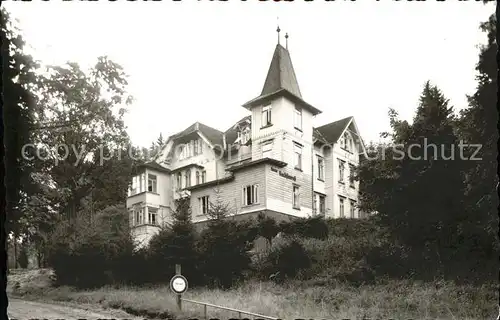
(273, 161)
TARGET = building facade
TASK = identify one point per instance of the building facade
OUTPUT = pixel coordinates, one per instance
(272, 161)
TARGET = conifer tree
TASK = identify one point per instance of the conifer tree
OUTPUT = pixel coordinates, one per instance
(224, 245)
(418, 191)
(479, 127)
(176, 245)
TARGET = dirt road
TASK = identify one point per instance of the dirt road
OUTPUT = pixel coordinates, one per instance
(25, 310)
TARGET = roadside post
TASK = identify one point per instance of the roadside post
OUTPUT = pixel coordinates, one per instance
(178, 285)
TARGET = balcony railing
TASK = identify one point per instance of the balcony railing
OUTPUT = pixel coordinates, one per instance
(239, 158)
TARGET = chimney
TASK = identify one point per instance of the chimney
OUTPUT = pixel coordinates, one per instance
(223, 141)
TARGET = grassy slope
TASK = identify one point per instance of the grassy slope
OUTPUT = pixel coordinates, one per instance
(396, 299)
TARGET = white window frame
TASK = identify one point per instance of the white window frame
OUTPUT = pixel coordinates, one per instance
(187, 177)
(341, 206)
(182, 151)
(351, 176)
(153, 212)
(341, 171)
(197, 177)
(203, 203)
(266, 116)
(322, 212)
(267, 148)
(178, 180)
(296, 196)
(297, 118)
(297, 159)
(352, 208)
(139, 216)
(203, 176)
(197, 147)
(131, 216)
(321, 168)
(140, 183)
(133, 186)
(153, 182)
(251, 191)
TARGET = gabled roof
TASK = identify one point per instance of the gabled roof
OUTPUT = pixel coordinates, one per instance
(213, 135)
(331, 132)
(281, 74)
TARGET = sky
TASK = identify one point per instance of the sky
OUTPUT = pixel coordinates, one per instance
(201, 60)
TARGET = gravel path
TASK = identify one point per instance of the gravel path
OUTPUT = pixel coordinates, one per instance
(25, 310)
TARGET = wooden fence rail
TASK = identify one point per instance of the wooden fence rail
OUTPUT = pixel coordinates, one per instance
(240, 312)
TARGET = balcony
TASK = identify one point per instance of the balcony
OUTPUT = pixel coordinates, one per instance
(240, 158)
(144, 196)
(181, 193)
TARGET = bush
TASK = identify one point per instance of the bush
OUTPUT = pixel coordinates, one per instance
(267, 228)
(356, 228)
(338, 258)
(314, 227)
(23, 257)
(286, 259)
(88, 255)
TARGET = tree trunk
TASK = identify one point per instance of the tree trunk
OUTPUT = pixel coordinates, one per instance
(15, 252)
(7, 252)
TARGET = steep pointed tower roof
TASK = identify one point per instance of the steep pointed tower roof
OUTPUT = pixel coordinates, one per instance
(281, 74)
(281, 81)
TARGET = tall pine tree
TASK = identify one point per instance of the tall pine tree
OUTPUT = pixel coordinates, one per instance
(18, 75)
(416, 184)
(479, 126)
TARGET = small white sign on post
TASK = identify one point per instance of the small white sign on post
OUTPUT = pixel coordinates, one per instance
(178, 284)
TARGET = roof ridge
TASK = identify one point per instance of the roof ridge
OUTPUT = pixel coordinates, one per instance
(334, 122)
(209, 127)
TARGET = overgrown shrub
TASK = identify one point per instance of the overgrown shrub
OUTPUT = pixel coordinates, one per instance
(356, 228)
(314, 227)
(85, 254)
(224, 247)
(22, 260)
(267, 228)
(286, 259)
(338, 258)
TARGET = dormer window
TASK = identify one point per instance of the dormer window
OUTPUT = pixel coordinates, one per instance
(347, 142)
(266, 116)
(182, 151)
(342, 142)
(197, 147)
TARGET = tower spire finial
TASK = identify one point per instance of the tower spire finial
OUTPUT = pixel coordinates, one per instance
(278, 29)
(286, 40)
